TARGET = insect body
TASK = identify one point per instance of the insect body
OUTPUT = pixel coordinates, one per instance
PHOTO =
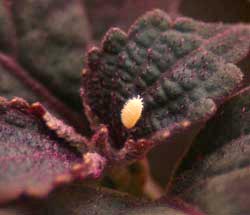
(131, 112)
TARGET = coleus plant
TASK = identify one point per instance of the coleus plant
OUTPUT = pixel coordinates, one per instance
(168, 76)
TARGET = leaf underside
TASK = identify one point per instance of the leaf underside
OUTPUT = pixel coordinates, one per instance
(180, 68)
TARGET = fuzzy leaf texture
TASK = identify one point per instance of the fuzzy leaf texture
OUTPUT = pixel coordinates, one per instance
(42, 54)
(182, 69)
(230, 122)
(35, 151)
(52, 54)
(219, 183)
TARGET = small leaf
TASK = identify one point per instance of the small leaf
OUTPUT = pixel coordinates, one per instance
(34, 158)
(177, 67)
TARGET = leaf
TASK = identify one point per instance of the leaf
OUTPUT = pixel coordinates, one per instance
(77, 199)
(13, 75)
(36, 152)
(52, 61)
(226, 11)
(182, 69)
(219, 182)
(51, 38)
(171, 155)
(11, 87)
(231, 122)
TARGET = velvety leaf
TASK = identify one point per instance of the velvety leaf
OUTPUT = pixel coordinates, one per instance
(227, 11)
(231, 122)
(220, 185)
(15, 81)
(11, 86)
(177, 67)
(51, 39)
(36, 156)
(215, 173)
(83, 200)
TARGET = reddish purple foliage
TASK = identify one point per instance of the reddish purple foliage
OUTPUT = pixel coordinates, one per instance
(33, 158)
(184, 71)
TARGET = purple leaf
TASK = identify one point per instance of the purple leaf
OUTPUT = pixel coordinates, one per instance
(36, 152)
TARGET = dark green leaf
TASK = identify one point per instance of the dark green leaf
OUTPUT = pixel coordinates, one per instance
(215, 173)
(220, 185)
(231, 122)
(177, 67)
(52, 36)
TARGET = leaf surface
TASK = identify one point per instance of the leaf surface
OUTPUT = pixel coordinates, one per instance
(36, 155)
(230, 122)
(215, 173)
(182, 69)
(49, 38)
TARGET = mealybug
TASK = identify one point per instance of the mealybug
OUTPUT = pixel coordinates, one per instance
(131, 112)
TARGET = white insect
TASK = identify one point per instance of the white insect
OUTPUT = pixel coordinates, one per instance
(131, 112)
